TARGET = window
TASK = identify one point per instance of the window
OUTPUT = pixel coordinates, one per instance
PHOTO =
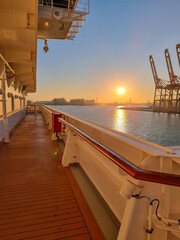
(12, 104)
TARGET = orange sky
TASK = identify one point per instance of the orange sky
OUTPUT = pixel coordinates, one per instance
(107, 54)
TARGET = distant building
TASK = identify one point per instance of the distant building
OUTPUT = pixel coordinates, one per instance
(59, 101)
(89, 102)
(77, 101)
(43, 102)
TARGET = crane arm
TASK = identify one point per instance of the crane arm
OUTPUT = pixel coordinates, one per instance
(169, 67)
(154, 72)
(178, 52)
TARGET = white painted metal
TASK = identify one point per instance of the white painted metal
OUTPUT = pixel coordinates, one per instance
(167, 225)
(135, 218)
(109, 179)
(149, 225)
(121, 143)
(18, 26)
(8, 104)
(4, 110)
(69, 155)
(57, 21)
(13, 119)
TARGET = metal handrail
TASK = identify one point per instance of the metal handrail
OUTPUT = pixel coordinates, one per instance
(82, 7)
(133, 170)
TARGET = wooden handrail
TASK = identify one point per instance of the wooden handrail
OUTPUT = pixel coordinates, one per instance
(133, 170)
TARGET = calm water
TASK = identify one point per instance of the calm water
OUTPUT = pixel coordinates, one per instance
(160, 128)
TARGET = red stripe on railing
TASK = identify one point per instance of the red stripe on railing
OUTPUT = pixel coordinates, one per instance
(133, 170)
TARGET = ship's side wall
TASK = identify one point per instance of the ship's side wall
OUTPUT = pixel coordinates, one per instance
(18, 103)
(13, 120)
(15, 107)
(1, 130)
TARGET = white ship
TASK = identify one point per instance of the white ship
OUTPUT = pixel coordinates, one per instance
(65, 177)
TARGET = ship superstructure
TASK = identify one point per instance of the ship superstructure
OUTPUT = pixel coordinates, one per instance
(21, 24)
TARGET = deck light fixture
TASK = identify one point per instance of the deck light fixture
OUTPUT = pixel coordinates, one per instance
(45, 48)
(46, 24)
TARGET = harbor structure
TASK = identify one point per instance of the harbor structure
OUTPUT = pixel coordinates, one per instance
(59, 101)
(45, 164)
(174, 91)
(89, 102)
(81, 101)
(167, 93)
(78, 101)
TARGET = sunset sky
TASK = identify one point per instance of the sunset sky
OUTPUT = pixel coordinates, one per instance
(110, 51)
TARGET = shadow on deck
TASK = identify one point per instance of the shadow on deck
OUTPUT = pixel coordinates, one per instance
(39, 199)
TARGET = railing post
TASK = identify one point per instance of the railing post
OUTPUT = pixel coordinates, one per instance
(69, 155)
(35, 110)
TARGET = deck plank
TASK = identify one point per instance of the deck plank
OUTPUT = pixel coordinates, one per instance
(37, 200)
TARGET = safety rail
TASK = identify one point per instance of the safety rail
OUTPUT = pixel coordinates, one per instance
(123, 169)
(31, 108)
(81, 6)
(133, 170)
(129, 167)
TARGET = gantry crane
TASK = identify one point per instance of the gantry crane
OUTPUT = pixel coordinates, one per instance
(178, 55)
(178, 52)
(167, 93)
(161, 90)
(174, 90)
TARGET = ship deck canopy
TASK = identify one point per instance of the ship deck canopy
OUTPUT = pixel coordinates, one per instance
(18, 40)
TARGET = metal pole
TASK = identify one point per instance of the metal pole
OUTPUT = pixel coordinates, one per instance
(52, 7)
(5, 120)
(68, 7)
(35, 110)
(7, 64)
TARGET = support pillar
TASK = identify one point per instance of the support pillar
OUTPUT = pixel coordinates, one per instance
(3, 87)
(69, 155)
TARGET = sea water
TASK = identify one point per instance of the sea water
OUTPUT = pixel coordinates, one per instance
(160, 128)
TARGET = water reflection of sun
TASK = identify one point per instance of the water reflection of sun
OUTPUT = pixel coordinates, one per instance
(119, 120)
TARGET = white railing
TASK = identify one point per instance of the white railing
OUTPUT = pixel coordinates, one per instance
(114, 184)
(73, 5)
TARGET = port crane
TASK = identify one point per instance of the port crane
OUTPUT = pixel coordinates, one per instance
(167, 93)
(178, 56)
(174, 88)
(174, 79)
(178, 52)
(161, 89)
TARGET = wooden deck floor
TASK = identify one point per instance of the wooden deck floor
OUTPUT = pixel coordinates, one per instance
(37, 198)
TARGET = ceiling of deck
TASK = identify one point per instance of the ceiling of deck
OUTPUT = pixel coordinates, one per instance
(18, 39)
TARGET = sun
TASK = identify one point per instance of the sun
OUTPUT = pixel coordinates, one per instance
(120, 90)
